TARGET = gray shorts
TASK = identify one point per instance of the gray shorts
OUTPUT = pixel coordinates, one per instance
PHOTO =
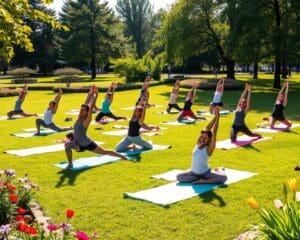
(188, 177)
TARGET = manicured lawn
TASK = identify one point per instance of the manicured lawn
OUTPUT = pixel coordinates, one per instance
(96, 194)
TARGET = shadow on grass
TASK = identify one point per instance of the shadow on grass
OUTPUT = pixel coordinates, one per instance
(68, 177)
(212, 198)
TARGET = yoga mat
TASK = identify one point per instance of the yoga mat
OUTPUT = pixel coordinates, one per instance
(166, 113)
(38, 150)
(32, 129)
(124, 132)
(205, 113)
(106, 120)
(73, 112)
(32, 134)
(83, 163)
(277, 128)
(183, 122)
(169, 176)
(175, 192)
(132, 108)
(18, 117)
(241, 141)
(139, 151)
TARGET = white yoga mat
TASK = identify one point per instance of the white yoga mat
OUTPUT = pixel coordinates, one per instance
(205, 113)
(169, 176)
(175, 192)
(18, 117)
(277, 128)
(138, 151)
(124, 132)
(39, 150)
(241, 141)
(132, 108)
(183, 122)
(73, 112)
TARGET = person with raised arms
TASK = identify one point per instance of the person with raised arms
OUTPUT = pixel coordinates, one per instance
(18, 105)
(173, 98)
(144, 91)
(79, 140)
(280, 104)
(135, 123)
(200, 172)
(89, 98)
(242, 109)
(217, 100)
(187, 109)
(47, 122)
(105, 110)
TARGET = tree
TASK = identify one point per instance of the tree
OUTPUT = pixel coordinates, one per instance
(14, 29)
(93, 33)
(194, 27)
(136, 15)
(43, 40)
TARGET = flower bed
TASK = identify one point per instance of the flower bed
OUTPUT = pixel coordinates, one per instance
(21, 219)
(24, 81)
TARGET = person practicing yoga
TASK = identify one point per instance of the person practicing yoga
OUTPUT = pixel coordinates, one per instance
(144, 90)
(280, 104)
(105, 111)
(206, 144)
(187, 109)
(242, 108)
(18, 105)
(47, 122)
(217, 101)
(136, 122)
(89, 98)
(173, 98)
(79, 141)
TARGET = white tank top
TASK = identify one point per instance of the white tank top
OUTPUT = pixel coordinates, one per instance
(173, 98)
(48, 115)
(200, 160)
(217, 97)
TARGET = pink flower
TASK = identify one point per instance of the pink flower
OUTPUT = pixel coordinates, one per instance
(82, 236)
(52, 227)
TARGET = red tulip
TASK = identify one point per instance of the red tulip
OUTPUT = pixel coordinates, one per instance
(21, 211)
(13, 198)
(32, 231)
(70, 213)
(19, 218)
(11, 188)
(23, 227)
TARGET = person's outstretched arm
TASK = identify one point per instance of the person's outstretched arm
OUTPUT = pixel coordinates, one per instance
(57, 99)
(144, 106)
(286, 94)
(214, 125)
(248, 99)
(88, 119)
(222, 84)
(243, 95)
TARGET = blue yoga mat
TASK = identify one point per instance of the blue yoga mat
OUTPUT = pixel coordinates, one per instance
(175, 191)
(183, 122)
(83, 163)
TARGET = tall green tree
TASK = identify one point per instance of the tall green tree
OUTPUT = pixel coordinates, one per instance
(93, 33)
(43, 40)
(137, 15)
(194, 27)
(13, 26)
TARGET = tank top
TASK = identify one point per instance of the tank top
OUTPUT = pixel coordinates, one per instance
(18, 105)
(239, 119)
(200, 160)
(278, 110)
(105, 106)
(48, 115)
(217, 97)
(80, 134)
(173, 98)
(187, 105)
(134, 128)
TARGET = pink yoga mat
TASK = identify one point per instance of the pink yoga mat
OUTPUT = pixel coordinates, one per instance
(241, 141)
(277, 128)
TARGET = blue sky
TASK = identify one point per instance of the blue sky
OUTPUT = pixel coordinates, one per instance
(57, 4)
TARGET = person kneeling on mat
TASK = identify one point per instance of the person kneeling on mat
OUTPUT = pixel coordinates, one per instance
(206, 144)
(80, 141)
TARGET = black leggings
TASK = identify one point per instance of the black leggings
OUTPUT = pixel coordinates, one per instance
(110, 115)
(170, 106)
(236, 129)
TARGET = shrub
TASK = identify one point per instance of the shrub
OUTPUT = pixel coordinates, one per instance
(283, 222)
(67, 71)
(22, 72)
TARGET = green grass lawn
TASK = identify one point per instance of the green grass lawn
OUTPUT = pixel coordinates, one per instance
(96, 194)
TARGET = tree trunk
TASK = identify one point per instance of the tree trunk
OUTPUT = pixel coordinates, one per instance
(284, 70)
(230, 67)
(255, 71)
(93, 66)
(277, 73)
